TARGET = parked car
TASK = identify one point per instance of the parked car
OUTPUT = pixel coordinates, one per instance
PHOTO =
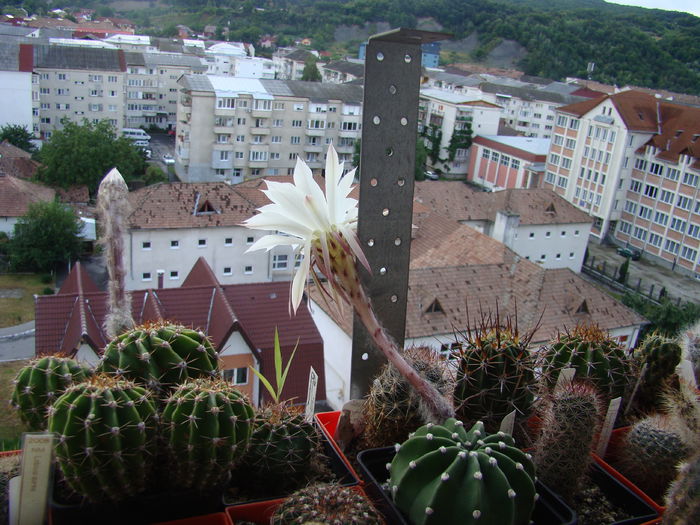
(147, 153)
(168, 159)
(431, 175)
(632, 253)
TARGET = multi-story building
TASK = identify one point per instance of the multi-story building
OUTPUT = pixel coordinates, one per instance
(441, 114)
(232, 128)
(631, 160)
(498, 162)
(17, 91)
(290, 63)
(152, 88)
(77, 82)
(342, 71)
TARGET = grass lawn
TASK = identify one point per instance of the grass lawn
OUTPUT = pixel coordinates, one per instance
(18, 310)
(10, 425)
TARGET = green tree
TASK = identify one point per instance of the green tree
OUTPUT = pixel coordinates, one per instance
(45, 237)
(18, 136)
(154, 175)
(311, 72)
(421, 158)
(667, 316)
(84, 153)
(461, 139)
(624, 269)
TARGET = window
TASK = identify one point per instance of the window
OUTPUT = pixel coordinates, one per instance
(228, 241)
(532, 235)
(505, 160)
(570, 144)
(264, 105)
(224, 155)
(146, 276)
(228, 270)
(672, 174)
(274, 156)
(636, 186)
(654, 239)
(495, 156)
(573, 123)
(238, 155)
(484, 153)
(576, 233)
(277, 123)
(561, 120)
(317, 124)
(248, 270)
(258, 156)
(543, 257)
(222, 139)
(296, 140)
(666, 196)
(146, 245)
(640, 164)
(276, 139)
(630, 207)
(237, 376)
(562, 182)
(296, 123)
(250, 240)
(549, 177)
(240, 138)
(571, 255)
(174, 244)
(279, 262)
(625, 227)
(566, 163)
(678, 225)
(350, 126)
(240, 121)
(226, 103)
(278, 105)
(690, 179)
(559, 140)
(554, 159)
(548, 234)
(656, 169)
(611, 138)
(651, 191)
(298, 106)
(639, 233)
(174, 275)
(201, 243)
(645, 212)
(683, 202)
(672, 246)
(661, 218)
(694, 231)
(111, 78)
(515, 164)
(689, 253)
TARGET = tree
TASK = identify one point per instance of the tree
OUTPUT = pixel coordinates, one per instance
(460, 139)
(45, 237)
(83, 153)
(154, 175)
(624, 269)
(421, 158)
(311, 72)
(666, 316)
(18, 136)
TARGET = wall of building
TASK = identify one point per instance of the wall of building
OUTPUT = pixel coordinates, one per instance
(16, 99)
(553, 245)
(235, 353)
(496, 170)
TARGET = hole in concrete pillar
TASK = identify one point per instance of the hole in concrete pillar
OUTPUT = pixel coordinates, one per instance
(365, 356)
(382, 271)
(380, 56)
(389, 152)
(404, 121)
(385, 212)
(373, 182)
(370, 242)
(394, 298)
(392, 89)
(401, 182)
(376, 120)
(407, 58)
(397, 241)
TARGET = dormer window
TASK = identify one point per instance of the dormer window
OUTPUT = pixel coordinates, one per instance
(434, 307)
(583, 308)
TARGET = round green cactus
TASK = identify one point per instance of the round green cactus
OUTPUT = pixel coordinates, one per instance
(495, 375)
(446, 475)
(661, 356)
(40, 383)
(106, 430)
(326, 503)
(206, 428)
(595, 356)
(160, 356)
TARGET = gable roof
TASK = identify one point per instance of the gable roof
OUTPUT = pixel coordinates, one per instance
(17, 194)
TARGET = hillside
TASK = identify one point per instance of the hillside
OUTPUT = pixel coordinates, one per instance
(551, 38)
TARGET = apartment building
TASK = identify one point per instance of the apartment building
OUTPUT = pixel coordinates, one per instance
(342, 71)
(230, 129)
(289, 63)
(631, 160)
(152, 88)
(441, 114)
(77, 82)
(498, 162)
(17, 85)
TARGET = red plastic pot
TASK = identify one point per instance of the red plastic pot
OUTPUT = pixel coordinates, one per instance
(328, 422)
(218, 518)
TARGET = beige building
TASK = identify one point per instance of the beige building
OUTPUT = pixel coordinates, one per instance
(230, 129)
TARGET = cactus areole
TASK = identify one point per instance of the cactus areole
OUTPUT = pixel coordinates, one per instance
(446, 475)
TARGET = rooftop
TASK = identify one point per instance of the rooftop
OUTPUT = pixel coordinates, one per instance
(527, 144)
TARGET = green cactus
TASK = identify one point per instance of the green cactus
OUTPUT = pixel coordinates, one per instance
(682, 403)
(571, 418)
(40, 383)
(652, 450)
(661, 355)
(683, 497)
(446, 475)
(206, 428)
(595, 356)
(106, 432)
(495, 375)
(690, 344)
(160, 356)
(326, 503)
(392, 407)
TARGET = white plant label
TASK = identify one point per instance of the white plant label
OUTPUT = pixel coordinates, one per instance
(36, 468)
(566, 375)
(311, 394)
(508, 423)
(636, 387)
(607, 428)
(685, 372)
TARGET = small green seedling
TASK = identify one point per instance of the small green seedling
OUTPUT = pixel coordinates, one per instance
(280, 375)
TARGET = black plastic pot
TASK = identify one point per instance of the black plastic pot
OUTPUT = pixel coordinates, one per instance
(549, 509)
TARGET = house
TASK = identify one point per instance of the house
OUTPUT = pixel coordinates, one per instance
(632, 161)
(341, 71)
(240, 320)
(499, 162)
(455, 274)
(17, 162)
(15, 197)
(537, 224)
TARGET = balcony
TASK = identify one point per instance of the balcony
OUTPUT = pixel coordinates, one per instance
(260, 131)
(260, 113)
(315, 132)
(186, 100)
(313, 148)
(348, 134)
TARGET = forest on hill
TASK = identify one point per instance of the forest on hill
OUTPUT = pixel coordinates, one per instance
(629, 45)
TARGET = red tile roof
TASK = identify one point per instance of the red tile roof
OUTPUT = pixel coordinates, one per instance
(17, 194)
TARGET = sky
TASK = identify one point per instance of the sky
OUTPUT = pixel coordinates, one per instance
(689, 6)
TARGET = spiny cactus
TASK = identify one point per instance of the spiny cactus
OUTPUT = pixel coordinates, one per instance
(652, 450)
(106, 428)
(206, 428)
(682, 404)
(660, 355)
(160, 356)
(571, 417)
(284, 447)
(683, 497)
(446, 475)
(326, 503)
(495, 374)
(690, 344)
(40, 383)
(595, 356)
(393, 407)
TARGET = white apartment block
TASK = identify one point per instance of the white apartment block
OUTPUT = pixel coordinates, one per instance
(17, 91)
(631, 161)
(289, 63)
(230, 129)
(449, 112)
(77, 82)
(152, 88)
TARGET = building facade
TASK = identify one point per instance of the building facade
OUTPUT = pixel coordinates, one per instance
(500, 162)
(231, 129)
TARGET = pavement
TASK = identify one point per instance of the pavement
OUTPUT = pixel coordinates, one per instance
(676, 284)
(17, 342)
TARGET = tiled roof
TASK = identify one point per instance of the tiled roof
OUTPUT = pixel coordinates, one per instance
(74, 57)
(66, 320)
(343, 66)
(176, 205)
(17, 194)
(8, 150)
(77, 282)
(16, 162)
(299, 55)
(74, 194)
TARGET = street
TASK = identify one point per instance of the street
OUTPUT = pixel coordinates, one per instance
(162, 143)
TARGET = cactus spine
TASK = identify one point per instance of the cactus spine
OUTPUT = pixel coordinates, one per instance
(160, 356)
(106, 430)
(595, 356)
(446, 475)
(206, 428)
(570, 420)
(393, 407)
(690, 344)
(40, 383)
(683, 497)
(660, 355)
(326, 503)
(494, 374)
